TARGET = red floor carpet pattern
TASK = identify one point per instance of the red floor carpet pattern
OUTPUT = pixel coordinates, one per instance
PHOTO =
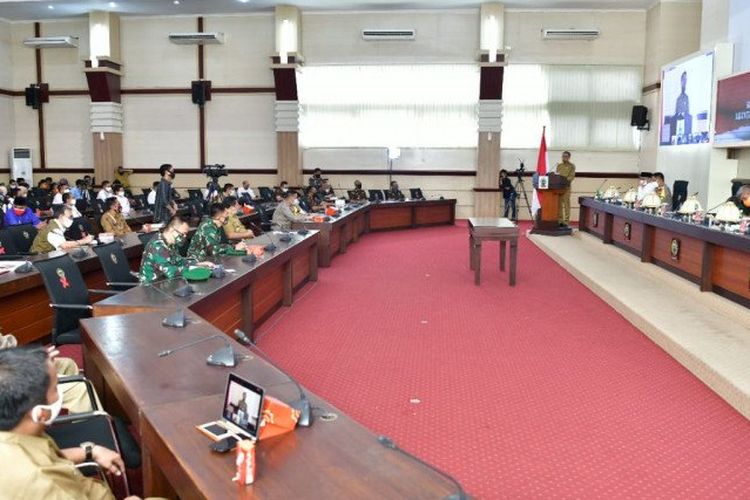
(537, 391)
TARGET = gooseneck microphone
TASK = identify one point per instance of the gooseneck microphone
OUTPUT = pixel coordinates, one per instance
(302, 404)
(176, 319)
(460, 493)
(185, 346)
(224, 356)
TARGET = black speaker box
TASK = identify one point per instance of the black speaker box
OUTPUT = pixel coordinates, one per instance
(201, 91)
(639, 117)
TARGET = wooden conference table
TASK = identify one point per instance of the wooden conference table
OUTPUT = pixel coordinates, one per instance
(716, 260)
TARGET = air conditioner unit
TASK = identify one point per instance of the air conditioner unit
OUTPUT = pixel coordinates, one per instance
(397, 35)
(206, 38)
(51, 42)
(20, 164)
(570, 34)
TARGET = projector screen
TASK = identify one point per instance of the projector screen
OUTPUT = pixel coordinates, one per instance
(732, 127)
(686, 101)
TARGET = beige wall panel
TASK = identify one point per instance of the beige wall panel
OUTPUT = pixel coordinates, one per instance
(187, 180)
(26, 123)
(63, 68)
(244, 59)
(624, 162)
(6, 75)
(650, 138)
(441, 37)
(150, 59)
(240, 132)
(67, 133)
(377, 158)
(622, 39)
(24, 66)
(6, 129)
(673, 32)
(160, 129)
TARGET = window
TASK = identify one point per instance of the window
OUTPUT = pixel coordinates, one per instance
(408, 106)
(583, 107)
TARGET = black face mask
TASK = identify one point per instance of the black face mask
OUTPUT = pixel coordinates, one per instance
(172, 175)
(317, 176)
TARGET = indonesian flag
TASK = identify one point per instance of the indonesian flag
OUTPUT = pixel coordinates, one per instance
(541, 169)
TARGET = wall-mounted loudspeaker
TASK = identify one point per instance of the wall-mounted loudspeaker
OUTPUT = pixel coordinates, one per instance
(36, 95)
(201, 90)
(639, 117)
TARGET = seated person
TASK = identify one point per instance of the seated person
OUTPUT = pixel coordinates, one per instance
(326, 190)
(665, 194)
(62, 188)
(33, 465)
(52, 236)
(283, 188)
(151, 198)
(228, 191)
(284, 216)
(233, 227)
(245, 190)
(105, 192)
(646, 185)
(112, 220)
(206, 242)
(70, 201)
(161, 257)
(314, 200)
(394, 193)
(742, 200)
(21, 214)
(357, 194)
(124, 201)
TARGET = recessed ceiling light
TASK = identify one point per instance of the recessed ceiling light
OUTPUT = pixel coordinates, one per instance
(176, 2)
(51, 7)
(243, 1)
(112, 4)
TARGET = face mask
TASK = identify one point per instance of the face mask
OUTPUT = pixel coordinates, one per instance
(53, 409)
(19, 211)
(108, 189)
(172, 175)
(179, 239)
(121, 194)
(66, 190)
(72, 203)
(66, 223)
(285, 189)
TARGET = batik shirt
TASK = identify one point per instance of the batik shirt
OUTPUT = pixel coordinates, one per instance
(358, 195)
(161, 261)
(207, 242)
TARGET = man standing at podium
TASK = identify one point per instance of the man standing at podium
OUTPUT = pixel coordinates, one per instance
(567, 170)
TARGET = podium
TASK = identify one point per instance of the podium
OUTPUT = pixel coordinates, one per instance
(546, 220)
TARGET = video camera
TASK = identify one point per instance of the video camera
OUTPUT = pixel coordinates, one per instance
(520, 171)
(215, 171)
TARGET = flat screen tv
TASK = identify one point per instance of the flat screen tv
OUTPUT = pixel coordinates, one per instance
(732, 126)
(686, 101)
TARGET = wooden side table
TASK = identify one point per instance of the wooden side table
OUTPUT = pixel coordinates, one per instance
(491, 228)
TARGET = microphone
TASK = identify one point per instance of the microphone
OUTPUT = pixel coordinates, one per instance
(460, 493)
(302, 404)
(79, 253)
(26, 267)
(177, 319)
(224, 356)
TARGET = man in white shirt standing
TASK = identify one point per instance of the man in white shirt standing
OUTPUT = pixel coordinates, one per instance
(151, 198)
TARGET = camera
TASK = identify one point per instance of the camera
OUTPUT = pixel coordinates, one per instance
(215, 171)
(520, 171)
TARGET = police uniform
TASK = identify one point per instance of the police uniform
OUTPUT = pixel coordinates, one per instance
(114, 224)
(358, 195)
(283, 217)
(207, 242)
(567, 170)
(234, 225)
(161, 260)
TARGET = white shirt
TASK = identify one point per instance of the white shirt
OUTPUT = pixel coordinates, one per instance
(76, 214)
(241, 191)
(151, 198)
(103, 195)
(57, 199)
(125, 204)
(649, 188)
(56, 235)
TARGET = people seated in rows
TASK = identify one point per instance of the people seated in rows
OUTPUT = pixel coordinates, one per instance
(284, 216)
(161, 258)
(123, 199)
(21, 214)
(665, 194)
(51, 237)
(245, 190)
(105, 192)
(79, 191)
(70, 202)
(61, 189)
(151, 197)
(316, 179)
(357, 194)
(112, 220)
(33, 465)
(326, 190)
(164, 200)
(122, 176)
(233, 227)
(206, 242)
(283, 188)
(227, 191)
(645, 185)
(394, 193)
(742, 200)
(313, 201)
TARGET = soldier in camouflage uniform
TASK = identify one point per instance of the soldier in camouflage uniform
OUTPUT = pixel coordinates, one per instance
(316, 179)
(206, 242)
(394, 193)
(161, 258)
(357, 194)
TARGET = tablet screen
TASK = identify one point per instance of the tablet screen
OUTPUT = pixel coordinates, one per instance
(243, 404)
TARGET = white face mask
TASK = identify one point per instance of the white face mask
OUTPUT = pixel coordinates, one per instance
(285, 189)
(71, 203)
(296, 202)
(67, 223)
(108, 189)
(53, 409)
(121, 194)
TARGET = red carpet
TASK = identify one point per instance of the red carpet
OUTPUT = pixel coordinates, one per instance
(536, 391)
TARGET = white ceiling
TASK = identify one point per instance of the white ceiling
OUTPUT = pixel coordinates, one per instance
(40, 9)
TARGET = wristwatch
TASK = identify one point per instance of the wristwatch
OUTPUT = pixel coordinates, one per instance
(88, 447)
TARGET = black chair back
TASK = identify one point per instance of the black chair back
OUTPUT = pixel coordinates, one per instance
(7, 244)
(376, 195)
(266, 194)
(679, 194)
(195, 194)
(146, 191)
(195, 208)
(146, 237)
(36, 192)
(23, 236)
(115, 264)
(80, 228)
(128, 193)
(416, 193)
(139, 202)
(305, 205)
(82, 205)
(65, 285)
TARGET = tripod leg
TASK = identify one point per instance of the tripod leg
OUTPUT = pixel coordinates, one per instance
(521, 185)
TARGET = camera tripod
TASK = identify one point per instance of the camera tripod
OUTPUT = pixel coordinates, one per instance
(521, 186)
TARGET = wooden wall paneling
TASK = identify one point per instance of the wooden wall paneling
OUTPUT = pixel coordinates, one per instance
(619, 237)
(390, 217)
(730, 270)
(289, 158)
(107, 154)
(268, 292)
(487, 203)
(690, 260)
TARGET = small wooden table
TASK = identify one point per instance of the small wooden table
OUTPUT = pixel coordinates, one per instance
(491, 228)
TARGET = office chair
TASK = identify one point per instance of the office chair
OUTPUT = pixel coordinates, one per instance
(679, 194)
(146, 191)
(8, 248)
(416, 194)
(80, 228)
(146, 237)
(98, 207)
(139, 202)
(82, 205)
(195, 194)
(266, 194)
(116, 266)
(376, 195)
(23, 236)
(69, 295)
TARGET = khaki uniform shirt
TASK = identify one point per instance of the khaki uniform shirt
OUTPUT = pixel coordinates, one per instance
(33, 467)
(43, 243)
(283, 217)
(234, 225)
(114, 224)
(567, 170)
